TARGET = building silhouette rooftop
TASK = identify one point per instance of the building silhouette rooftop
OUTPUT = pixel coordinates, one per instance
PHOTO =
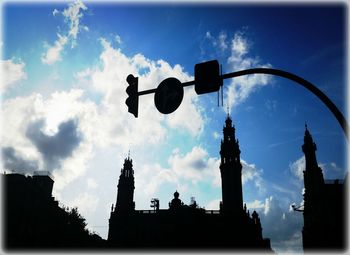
(189, 226)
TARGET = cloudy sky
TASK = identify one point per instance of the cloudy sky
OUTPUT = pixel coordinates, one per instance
(63, 91)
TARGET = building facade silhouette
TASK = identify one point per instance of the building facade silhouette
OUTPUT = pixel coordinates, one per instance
(324, 205)
(33, 218)
(189, 226)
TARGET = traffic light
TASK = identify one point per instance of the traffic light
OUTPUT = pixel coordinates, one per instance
(132, 90)
(207, 77)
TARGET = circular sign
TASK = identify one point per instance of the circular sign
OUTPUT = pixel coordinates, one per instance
(168, 95)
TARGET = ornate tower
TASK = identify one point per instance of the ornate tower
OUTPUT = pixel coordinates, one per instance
(313, 195)
(231, 170)
(126, 186)
(313, 177)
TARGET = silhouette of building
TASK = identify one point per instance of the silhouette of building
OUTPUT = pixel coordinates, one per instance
(324, 204)
(189, 226)
(231, 171)
(34, 220)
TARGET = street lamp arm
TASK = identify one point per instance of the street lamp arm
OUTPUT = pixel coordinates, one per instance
(331, 106)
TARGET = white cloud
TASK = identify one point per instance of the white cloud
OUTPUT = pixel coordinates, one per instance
(118, 39)
(18, 113)
(239, 47)
(329, 170)
(55, 12)
(195, 165)
(332, 171)
(208, 35)
(91, 183)
(53, 53)
(184, 170)
(241, 87)
(282, 224)
(191, 169)
(72, 15)
(213, 204)
(250, 173)
(86, 203)
(150, 178)
(102, 124)
(297, 167)
(254, 205)
(12, 71)
(222, 41)
(111, 83)
(21, 112)
(236, 51)
(268, 204)
(216, 135)
(271, 105)
(188, 116)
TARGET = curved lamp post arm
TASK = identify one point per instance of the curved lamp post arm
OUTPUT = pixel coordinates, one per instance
(331, 106)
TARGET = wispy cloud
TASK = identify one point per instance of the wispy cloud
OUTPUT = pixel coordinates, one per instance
(72, 16)
(118, 39)
(236, 51)
(297, 167)
(250, 173)
(241, 87)
(216, 135)
(12, 71)
(53, 53)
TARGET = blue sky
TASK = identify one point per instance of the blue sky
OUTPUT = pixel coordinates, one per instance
(64, 69)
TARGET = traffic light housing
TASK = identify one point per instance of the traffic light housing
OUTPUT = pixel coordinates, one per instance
(132, 90)
(207, 77)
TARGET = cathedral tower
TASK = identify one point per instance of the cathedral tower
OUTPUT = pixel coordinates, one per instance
(231, 170)
(126, 186)
(313, 177)
(313, 230)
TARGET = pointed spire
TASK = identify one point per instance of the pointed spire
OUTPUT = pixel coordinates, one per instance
(127, 163)
(126, 186)
(309, 148)
(228, 118)
(307, 136)
(307, 133)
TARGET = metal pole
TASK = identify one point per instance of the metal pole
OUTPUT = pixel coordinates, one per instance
(331, 106)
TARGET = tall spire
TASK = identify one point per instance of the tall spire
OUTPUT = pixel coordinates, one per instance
(313, 184)
(313, 177)
(309, 148)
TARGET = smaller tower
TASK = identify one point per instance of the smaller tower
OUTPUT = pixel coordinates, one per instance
(176, 202)
(125, 197)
